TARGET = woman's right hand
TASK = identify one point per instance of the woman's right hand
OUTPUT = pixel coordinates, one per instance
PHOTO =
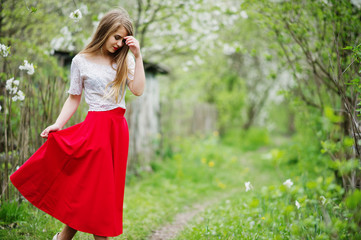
(51, 128)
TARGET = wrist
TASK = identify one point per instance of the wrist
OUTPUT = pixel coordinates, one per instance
(138, 57)
(58, 125)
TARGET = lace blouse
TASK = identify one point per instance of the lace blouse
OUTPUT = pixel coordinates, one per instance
(93, 77)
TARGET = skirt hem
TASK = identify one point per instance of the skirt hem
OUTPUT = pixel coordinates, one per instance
(78, 175)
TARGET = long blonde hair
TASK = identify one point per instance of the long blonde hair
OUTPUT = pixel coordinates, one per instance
(108, 25)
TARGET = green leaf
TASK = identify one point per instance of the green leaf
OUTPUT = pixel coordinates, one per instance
(348, 142)
(354, 200)
(33, 9)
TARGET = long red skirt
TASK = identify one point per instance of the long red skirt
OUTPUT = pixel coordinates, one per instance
(78, 174)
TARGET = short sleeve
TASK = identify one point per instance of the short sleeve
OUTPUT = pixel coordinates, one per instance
(131, 68)
(76, 83)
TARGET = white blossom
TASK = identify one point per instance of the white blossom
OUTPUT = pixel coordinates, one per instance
(189, 63)
(327, 3)
(14, 90)
(28, 67)
(84, 9)
(323, 201)
(357, 3)
(195, 27)
(63, 42)
(248, 186)
(76, 15)
(233, 9)
(297, 204)
(21, 95)
(4, 50)
(8, 85)
(12, 87)
(244, 14)
(193, 47)
(198, 60)
(288, 183)
(228, 50)
(0, 107)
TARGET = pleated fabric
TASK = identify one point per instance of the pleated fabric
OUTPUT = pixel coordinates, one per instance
(78, 174)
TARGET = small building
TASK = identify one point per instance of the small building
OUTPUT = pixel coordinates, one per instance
(143, 114)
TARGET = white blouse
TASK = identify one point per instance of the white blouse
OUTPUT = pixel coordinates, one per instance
(93, 78)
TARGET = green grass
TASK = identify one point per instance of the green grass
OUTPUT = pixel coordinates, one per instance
(271, 213)
(199, 170)
(269, 210)
(204, 169)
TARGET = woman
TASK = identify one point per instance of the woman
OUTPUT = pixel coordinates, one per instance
(78, 174)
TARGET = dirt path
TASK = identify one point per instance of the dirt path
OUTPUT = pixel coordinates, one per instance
(171, 230)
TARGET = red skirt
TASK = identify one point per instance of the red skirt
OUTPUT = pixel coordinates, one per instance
(78, 174)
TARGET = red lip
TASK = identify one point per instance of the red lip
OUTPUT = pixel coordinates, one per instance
(115, 48)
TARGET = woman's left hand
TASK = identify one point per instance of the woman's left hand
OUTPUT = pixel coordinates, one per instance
(133, 45)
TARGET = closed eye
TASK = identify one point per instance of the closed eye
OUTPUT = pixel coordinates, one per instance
(117, 37)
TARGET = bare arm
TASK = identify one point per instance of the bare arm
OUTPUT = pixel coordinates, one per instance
(137, 85)
(70, 106)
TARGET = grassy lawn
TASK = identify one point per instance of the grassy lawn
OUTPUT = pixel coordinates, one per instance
(310, 206)
(200, 170)
(205, 169)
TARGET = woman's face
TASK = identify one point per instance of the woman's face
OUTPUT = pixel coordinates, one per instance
(115, 40)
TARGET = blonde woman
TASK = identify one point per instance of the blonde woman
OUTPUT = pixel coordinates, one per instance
(78, 174)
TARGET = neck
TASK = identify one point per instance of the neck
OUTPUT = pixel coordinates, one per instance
(106, 54)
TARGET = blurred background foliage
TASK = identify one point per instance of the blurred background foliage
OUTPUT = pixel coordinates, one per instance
(280, 79)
